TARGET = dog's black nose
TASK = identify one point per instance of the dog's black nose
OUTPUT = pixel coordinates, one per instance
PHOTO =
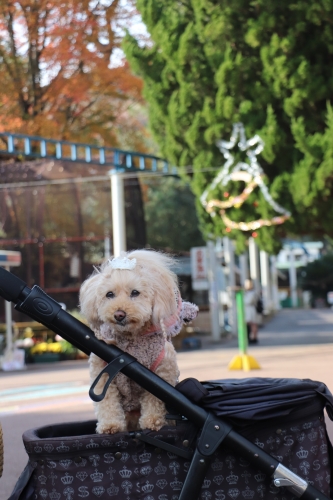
(119, 316)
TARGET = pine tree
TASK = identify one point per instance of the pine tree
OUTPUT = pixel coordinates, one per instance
(267, 64)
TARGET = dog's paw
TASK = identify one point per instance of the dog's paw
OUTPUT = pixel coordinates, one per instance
(154, 423)
(110, 428)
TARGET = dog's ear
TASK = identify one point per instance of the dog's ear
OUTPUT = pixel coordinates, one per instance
(165, 297)
(88, 300)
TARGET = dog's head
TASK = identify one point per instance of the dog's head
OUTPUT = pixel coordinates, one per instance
(131, 293)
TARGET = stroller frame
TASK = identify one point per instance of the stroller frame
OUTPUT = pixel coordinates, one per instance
(214, 430)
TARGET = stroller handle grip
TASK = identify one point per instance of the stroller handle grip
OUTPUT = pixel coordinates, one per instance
(12, 288)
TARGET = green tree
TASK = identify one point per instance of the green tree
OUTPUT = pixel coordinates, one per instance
(267, 64)
(317, 277)
(171, 219)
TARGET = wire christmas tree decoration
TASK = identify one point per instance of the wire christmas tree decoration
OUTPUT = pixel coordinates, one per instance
(250, 173)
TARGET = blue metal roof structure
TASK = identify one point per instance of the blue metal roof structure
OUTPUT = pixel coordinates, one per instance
(120, 160)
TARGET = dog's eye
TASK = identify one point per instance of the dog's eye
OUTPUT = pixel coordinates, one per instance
(110, 295)
(134, 293)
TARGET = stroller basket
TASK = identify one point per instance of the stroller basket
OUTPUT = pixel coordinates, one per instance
(212, 435)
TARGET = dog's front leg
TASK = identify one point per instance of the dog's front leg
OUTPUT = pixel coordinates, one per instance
(153, 409)
(109, 412)
(152, 412)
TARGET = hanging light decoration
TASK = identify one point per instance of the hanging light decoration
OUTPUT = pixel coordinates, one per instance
(250, 173)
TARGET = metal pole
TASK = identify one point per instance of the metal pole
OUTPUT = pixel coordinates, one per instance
(107, 247)
(213, 293)
(265, 281)
(118, 212)
(41, 265)
(275, 287)
(221, 289)
(9, 323)
(229, 257)
(244, 268)
(220, 280)
(254, 264)
(292, 278)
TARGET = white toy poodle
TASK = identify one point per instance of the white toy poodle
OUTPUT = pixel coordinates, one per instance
(133, 302)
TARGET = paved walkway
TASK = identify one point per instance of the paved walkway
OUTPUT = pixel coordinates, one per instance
(289, 327)
(295, 343)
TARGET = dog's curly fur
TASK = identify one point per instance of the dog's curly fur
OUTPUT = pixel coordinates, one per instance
(137, 310)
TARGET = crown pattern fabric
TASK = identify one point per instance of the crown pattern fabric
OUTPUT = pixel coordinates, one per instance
(70, 462)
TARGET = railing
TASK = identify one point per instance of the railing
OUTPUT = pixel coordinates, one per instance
(40, 147)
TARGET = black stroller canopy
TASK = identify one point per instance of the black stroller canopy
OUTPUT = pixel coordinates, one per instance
(256, 399)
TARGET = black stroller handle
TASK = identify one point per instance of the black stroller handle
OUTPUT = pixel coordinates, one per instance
(42, 308)
(12, 287)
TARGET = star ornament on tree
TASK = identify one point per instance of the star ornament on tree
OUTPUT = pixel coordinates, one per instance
(251, 173)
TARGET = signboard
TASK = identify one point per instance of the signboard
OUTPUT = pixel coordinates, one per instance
(330, 298)
(199, 268)
(10, 258)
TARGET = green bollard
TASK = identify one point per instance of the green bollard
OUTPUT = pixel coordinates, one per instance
(242, 361)
(242, 330)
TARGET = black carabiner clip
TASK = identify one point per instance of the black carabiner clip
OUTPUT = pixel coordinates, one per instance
(114, 367)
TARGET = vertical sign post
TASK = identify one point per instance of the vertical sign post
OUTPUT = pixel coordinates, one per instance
(10, 259)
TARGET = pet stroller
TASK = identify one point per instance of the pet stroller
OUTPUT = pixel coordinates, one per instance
(238, 439)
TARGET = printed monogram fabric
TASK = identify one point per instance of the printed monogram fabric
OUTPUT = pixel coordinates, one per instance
(120, 466)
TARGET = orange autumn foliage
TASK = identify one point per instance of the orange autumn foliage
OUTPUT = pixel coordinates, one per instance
(57, 76)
